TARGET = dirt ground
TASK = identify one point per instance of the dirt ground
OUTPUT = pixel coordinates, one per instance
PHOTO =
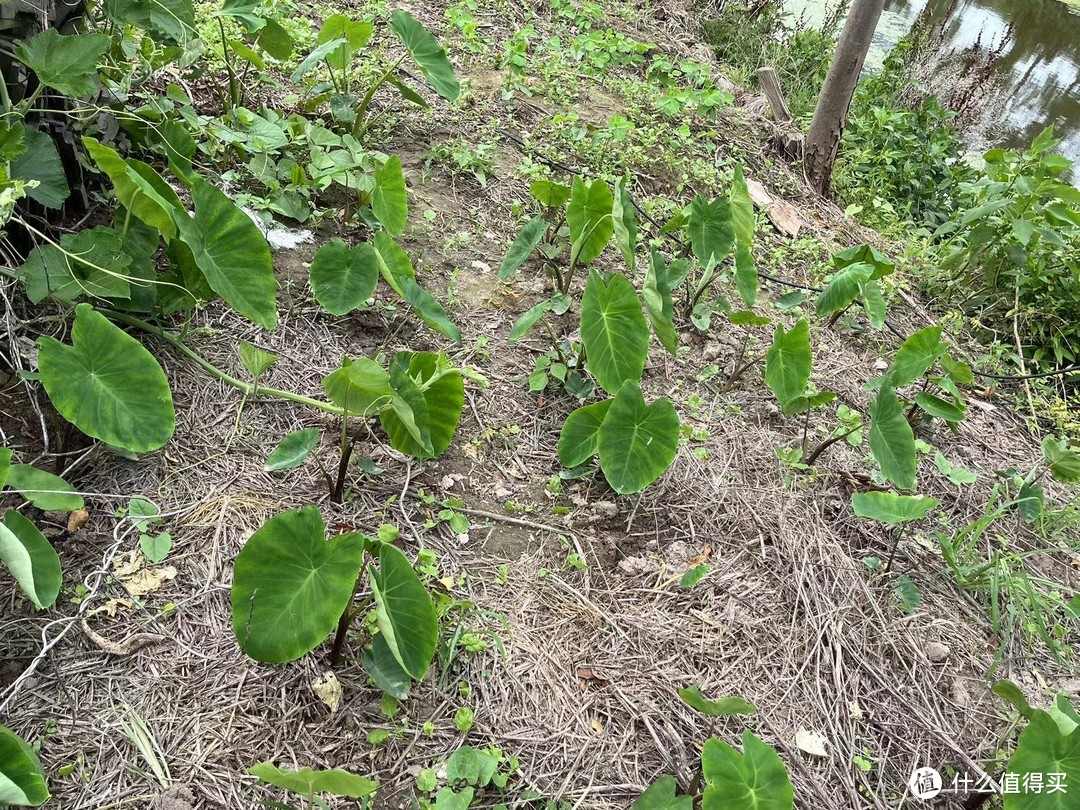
(582, 686)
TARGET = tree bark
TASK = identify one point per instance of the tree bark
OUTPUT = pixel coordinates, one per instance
(830, 115)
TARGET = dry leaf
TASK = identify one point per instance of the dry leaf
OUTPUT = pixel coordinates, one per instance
(77, 519)
(586, 674)
(597, 726)
(855, 711)
(810, 742)
(700, 559)
(111, 607)
(129, 570)
(328, 689)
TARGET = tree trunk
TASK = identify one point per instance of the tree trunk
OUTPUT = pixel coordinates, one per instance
(830, 115)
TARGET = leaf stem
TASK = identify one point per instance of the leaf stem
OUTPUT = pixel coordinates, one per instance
(825, 445)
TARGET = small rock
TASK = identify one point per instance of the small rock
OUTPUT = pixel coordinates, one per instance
(634, 566)
(712, 350)
(605, 508)
(937, 652)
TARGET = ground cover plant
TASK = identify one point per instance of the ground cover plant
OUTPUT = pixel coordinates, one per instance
(578, 483)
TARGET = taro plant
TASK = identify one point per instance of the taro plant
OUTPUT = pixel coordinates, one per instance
(22, 781)
(332, 64)
(293, 588)
(893, 510)
(857, 271)
(310, 783)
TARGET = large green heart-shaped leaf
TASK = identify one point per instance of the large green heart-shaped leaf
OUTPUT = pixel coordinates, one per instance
(523, 246)
(613, 330)
(660, 795)
(624, 223)
(398, 272)
(293, 450)
(383, 668)
(48, 492)
(637, 442)
(40, 161)
(356, 34)
(405, 612)
(30, 558)
(890, 508)
(864, 254)
(788, 362)
(389, 200)
(92, 262)
(916, 355)
(936, 406)
(659, 305)
(170, 19)
(107, 385)
(892, 441)
(343, 277)
(306, 781)
(579, 437)
(1064, 463)
(589, 218)
(231, 253)
(844, 287)
(711, 230)
(427, 52)
(64, 63)
(444, 400)
(291, 585)
(360, 386)
(1044, 749)
(22, 782)
(138, 188)
(726, 706)
(753, 780)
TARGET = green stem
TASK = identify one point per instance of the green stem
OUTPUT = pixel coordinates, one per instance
(234, 100)
(5, 98)
(825, 445)
(361, 111)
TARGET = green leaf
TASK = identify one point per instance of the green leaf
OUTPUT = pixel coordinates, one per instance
(173, 20)
(844, 287)
(231, 253)
(745, 317)
(443, 400)
(355, 34)
(30, 558)
(389, 200)
(907, 593)
(22, 781)
(753, 780)
(660, 795)
(746, 277)
(397, 270)
(107, 384)
(428, 54)
(523, 246)
(957, 475)
(742, 208)
(1043, 749)
(892, 441)
(1012, 693)
(553, 195)
(711, 230)
(48, 492)
(624, 223)
(529, 319)
(589, 218)
(379, 663)
(1063, 462)
(890, 508)
(254, 359)
(579, 437)
(64, 63)
(692, 577)
(405, 612)
(864, 254)
(942, 409)
(788, 362)
(874, 304)
(724, 707)
(291, 585)
(138, 188)
(360, 386)
(293, 450)
(306, 781)
(1030, 500)
(343, 277)
(275, 40)
(659, 305)
(637, 442)
(40, 161)
(5, 465)
(91, 262)
(916, 355)
(320, 52)
(613, 330)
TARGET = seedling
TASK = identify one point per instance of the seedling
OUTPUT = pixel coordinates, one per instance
(892, 510)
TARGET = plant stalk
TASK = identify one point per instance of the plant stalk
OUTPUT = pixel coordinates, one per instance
(825, 445)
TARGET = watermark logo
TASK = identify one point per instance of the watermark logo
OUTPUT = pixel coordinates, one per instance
(925, 783)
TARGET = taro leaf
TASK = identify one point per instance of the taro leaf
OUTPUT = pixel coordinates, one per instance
(523, 246)
(172, 20)
(397, 270)
(156, 547)
(864, 254)
(747, 318)
(637, 442)
(890, 508)
(724, 707)
(31, 560)
(291, 585)
(788, 362)
(40, 161)
(1063, 462)
(408, 93)
(907, 592)
(916, 355)
(64, 63)
(389, 200)
(874, 304)
(553, 195)
(107, 384)
(444, 400)
(22, 781)
(529, 319)
(275, 40)
(1012, 693)
(409, 408)
(958, 475)
(711, 229)
(892, 441)
(942, 409)
(589, 218)
(660, 795)
(5, 465)
(321, 51)
(343, 277)
(405, 612)
(1043, 749)
(293, 450)
(579, 437)
(804, 403)
(613, 331)
(742, 220)
(100, 269)
(48, 492)
(844, 288)
(356, 34)
(746, 277)
(658, 303)
(231, 253)
(306, 781)
(624, 223)
(255, 360)
(383, 668)
(427, 52)
(360, 386)
(754, 779)
(958, 371)
(138, 188)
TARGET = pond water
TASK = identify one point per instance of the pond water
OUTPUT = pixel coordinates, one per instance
(1038, 74)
